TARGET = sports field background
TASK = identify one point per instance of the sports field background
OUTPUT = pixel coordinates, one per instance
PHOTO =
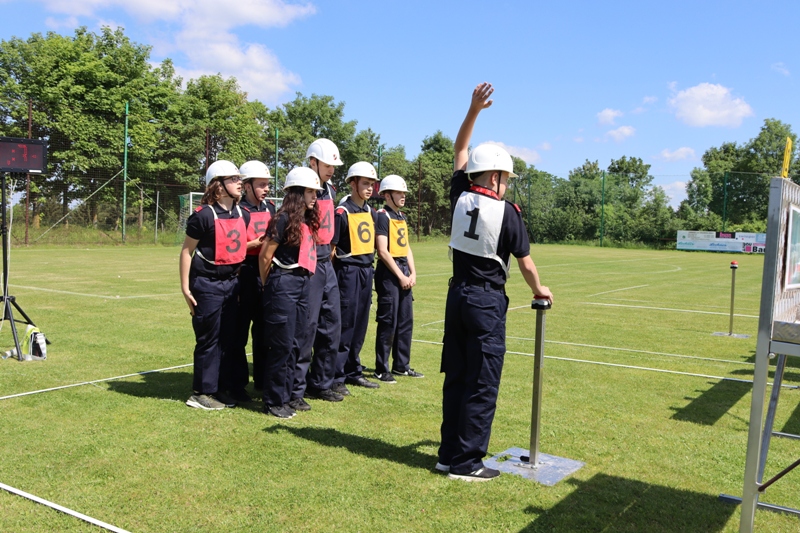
(659, 447)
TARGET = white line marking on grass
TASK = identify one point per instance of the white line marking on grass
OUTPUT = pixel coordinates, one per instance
(676, 269)
(617, 290)
(647, 369)
(57, 507)
(669, 309)
(94, 381)
(431, 275)
(638, 351)
(95, 295)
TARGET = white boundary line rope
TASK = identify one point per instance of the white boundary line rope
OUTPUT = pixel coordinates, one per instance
(668, 309)
(94, 381)
(632, 367)
(95, 295)
(617, 290)
(57, 507)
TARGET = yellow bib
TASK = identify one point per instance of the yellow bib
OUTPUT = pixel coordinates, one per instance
(362, 233)
(398, 238)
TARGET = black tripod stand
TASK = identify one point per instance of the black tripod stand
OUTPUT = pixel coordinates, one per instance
(8, 300)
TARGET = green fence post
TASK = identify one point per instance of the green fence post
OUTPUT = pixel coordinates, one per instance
(725, 202)
(603, 209)
(277, 134)
(529, 202)
(125, 175)
(380, 152)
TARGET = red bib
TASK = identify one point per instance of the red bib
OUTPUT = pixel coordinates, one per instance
(307, 258)
(259, 220)
(229, 246)
(325, 232)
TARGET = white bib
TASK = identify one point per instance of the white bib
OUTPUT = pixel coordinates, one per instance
(477, 220)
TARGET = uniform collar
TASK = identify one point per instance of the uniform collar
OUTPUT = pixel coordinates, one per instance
(484, 191)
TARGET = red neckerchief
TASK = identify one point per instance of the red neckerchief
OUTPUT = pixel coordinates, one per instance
(484, 191)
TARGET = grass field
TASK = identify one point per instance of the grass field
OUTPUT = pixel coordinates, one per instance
(659, 447)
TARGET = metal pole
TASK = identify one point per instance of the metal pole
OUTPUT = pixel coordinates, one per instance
(157, 197)
(277, 134)
(725, 202)
(603, 210)
(207, 142)
(734, 266)
(125, 175)
(28, 176)
(541, 305)
(380, 153)
(419, 198)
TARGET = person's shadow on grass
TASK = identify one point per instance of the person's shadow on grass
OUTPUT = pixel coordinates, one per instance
(171, 385)
(407, 455)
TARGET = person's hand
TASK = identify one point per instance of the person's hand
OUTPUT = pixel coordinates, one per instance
(413, 278)
(543, 292)
(190, 301)
(405, 282)
(480, 96)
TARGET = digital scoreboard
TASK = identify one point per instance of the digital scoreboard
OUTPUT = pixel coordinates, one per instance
(27, 156)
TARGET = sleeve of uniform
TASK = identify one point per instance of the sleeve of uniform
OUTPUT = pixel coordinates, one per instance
(198, 225)
(516, 234)
(246, 216)
(340, 223)
(280, 228)
(382, 223)
(271, 208)
(458, 184)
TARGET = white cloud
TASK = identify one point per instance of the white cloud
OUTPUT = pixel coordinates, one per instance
(607, 116)
(203, 33)
(709, 104)
(684, 152)
(621, 133)
(526, 154)
(578, 139)
(780, 67)
(545, 146)
(676, 191)
(649, 99)
(59, 23)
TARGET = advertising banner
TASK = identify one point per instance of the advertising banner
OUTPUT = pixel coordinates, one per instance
(711, 241)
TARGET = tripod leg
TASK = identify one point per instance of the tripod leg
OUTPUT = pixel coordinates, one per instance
(770, 420)
(25, 316)
(8, 315)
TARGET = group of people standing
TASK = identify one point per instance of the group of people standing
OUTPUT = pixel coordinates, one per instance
(298, 281)
(303, 277)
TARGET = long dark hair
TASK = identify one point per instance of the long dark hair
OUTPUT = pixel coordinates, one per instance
(214, 192)
(294, 206)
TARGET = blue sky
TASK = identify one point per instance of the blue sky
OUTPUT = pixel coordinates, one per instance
(663, 81)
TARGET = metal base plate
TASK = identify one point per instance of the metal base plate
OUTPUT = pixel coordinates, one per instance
(549, 471)
(731, 335)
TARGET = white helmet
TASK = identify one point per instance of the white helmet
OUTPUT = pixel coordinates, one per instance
(490, 157)
(362, 169)
(254, 169)
(393, 182)
(221, 168)
(325, 151)
(302, 177)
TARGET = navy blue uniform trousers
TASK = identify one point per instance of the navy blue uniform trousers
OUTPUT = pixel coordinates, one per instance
(324, 331)
(395, 318)
(250, 312)
(355, 292)
(472, 362)
(214, 324)
(285, 298)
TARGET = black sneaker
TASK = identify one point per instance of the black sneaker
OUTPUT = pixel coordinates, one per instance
(341, 389)
(361, 381)
(240, 395)
(299, 404)
(277, 411)
(325, 394)
(410, 373)
(290, 409)
(385, 377)
(224, 398)
(481, 474)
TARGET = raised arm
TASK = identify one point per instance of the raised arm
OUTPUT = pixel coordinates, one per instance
(531, 275)
(480, 101)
